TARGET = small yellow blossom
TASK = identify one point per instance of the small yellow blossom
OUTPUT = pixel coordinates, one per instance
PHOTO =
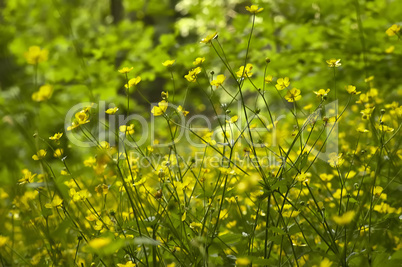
(58, 153)
(268, 79)
(335, 159)
(99, 243)
(168, 63)
(352, 90)
(127, 264)
(385, 128)
(81, 117)
(322, 92)
(393, 30)
(27, 178)
(45, 93)
(133, 81)
(56, 136)
(345, 218)
(112, 111)
(36, 55)
(282, 83)
(198, 61)
(254, 9)
(56, 202)
(390, 49)
(218, 81)
(126, 70)
(164, 95)
(160, 108)
(192, 74)
(209, 38)
(333, 63)
(293, 95)
(39, 155)
(102, 189)
(180, 109)
(242, 261)
(325, 263)
(362, 130)
(245, 72)
(3, 240)
(127, 129)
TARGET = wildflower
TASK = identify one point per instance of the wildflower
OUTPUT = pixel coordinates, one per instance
(133, 81)
(198, 61)
(127, 264)
(325, 263)
(27, 178)
(390, 49)
(366, 113)
(104, 145)
(192, 74)
(303, 177)
(112, 111)
(385, 128)
(293, 95)
(335, 160)
(81, 117)
(362, 130)
(184, 216)
(243, 261)
(245, 72)
(127, 129)
(352, 90)
(102, 189)
(36, 55)
(3, 240)
(219, 80)
(322, 92)
(56, 202)
(78, 196)
(164, 95)
(39, 155)
(99, 243)
(168, 63)
(58, 153)
(56, 136)
(160, 108)
(254, 9)
(282, 83)
(209, 38)
(268, 79)
(333, 63)
(345, 218)
(393, 30)
(233, 119)
(126, 70)
(180, 109)
(45, 93)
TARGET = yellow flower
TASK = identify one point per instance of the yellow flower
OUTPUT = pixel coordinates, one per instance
(27, 178)
(282, 83)
(393, 30)
(352, 90)
(35, 55)
(81, 117)
(198, 61)
(56, 136)
(45, 93)
(102, 189)
(254, 9)
(333, 63)
(322, 92)
(133, 81)
(99, 243)
(325, 263)
(242, 261)
(293, 95)
(127, 129)
(125, 70)
(362, 130)
(390, 49)
(219, 80)
(385, 128)
(268, 79)
(182, 110)
(209, 38)
(335, 159)
(112, 111)
(58, 153)
(160, 108)
(233, 119)
(3, 240)
(168, 63)
(39, 155)
(56, 202)
(127, 264)
(165, 95)
(247, 71)
(192, 74)
(345, 218)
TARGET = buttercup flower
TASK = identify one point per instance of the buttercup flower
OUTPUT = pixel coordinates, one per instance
(125, 70)
(112, 111)
(268, 79)
(39, 155)
(56, 136)
(322, 92)
(209, 38)
(168, 63)
(335, 160)
(198, 61)
(345, 218)
(182, 110)
(393, 30)
(160, 108)
(254, 9)
(58, 153)
(218, 81)
(133, 81)
(282, 83)
(45, 93)
(192, 74)
(36, 55)
(247, 71)
(293, 95)
(333, 63)
(127, 129)
(352, 90)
